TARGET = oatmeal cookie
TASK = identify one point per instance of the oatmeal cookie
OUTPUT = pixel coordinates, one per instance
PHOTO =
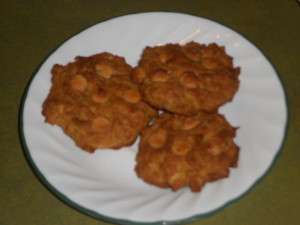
(186, 79)
(179, 151)
(94, 101)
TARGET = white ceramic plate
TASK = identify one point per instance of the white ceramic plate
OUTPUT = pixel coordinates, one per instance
(104, 184)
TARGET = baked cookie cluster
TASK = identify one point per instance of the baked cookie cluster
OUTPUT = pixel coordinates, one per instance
(189, 143)
(170, 99)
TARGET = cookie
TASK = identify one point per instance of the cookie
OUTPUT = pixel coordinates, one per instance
(95, 102)
(186, 79)
(179, 151)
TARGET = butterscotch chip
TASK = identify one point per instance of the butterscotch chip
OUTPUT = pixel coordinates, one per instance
(78, 82)
(100, 124)
(181, 147)
(192, 153)
(165, 56)
(209, 64)
(95, 102)
(159, 76)
(158, 139)
(104, 70)
(190, 80)
(132, 95)
(186, 79)
(190, 123)
(213, 147)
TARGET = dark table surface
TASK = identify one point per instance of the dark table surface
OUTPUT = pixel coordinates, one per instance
(31, 30)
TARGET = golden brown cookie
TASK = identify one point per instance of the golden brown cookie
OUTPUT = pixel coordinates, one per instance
(178, 151)
(186, 79)
(96, 103)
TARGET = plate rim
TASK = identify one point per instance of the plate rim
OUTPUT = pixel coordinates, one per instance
(97, 215)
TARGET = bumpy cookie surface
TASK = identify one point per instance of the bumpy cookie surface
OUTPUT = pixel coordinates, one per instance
(186, 79)
(178, 151)
(94, 101)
